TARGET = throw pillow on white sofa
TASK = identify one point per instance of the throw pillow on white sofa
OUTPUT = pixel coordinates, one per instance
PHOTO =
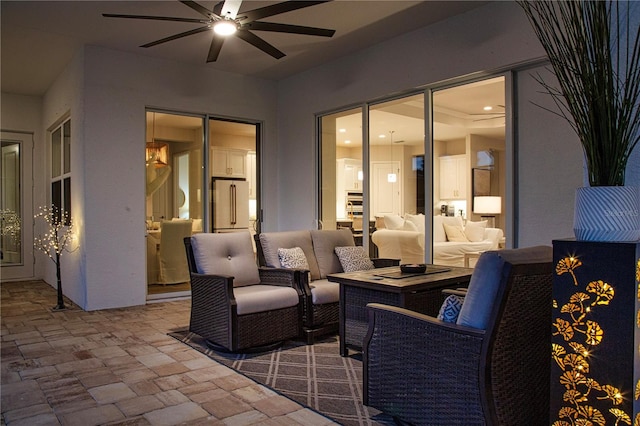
(417, 220)
(439, 235)
(475, 230)
(393, 221)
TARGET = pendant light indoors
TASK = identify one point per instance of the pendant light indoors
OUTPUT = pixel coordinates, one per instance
(157, 152)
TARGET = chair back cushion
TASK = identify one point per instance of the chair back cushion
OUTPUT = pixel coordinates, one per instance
(272, 241)
(226, 254)
(486, 279)
(324, 243)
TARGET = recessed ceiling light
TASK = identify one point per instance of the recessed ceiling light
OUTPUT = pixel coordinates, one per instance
(382, 136)
(347, 141)
(488, 108)
(343, 130)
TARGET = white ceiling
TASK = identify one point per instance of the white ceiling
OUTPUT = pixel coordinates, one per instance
(38, 38)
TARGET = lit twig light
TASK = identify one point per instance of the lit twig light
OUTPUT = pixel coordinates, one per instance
(58, 234)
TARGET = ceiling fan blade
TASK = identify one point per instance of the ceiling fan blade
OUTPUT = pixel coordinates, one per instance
(286, 28)
(177, 36)
(156, 18)
(200, 9)
(214, 48)
(259, 43)
(230, 9)
(276, 9)
(217, 9)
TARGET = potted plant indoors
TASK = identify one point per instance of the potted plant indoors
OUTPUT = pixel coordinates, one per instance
(594, 51)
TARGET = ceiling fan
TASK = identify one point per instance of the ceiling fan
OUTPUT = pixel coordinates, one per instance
(225, 21)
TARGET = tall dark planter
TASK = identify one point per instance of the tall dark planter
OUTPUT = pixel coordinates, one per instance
(595, 365)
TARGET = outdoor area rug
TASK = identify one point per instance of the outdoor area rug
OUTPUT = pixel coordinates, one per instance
(315, 376)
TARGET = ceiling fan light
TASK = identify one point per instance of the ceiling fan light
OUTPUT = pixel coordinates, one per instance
(225, 27)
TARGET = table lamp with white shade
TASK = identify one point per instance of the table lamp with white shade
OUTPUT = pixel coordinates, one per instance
(488, 207)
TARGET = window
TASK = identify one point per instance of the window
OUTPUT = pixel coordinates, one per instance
(61, 168)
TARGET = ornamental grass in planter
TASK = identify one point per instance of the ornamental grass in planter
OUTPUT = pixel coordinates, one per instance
(594, 51)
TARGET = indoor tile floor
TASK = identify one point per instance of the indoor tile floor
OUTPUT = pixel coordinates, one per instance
(119, 367)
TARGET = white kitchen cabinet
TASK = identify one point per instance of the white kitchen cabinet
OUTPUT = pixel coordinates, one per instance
(453, 177)
(228, 162)
(349, 172)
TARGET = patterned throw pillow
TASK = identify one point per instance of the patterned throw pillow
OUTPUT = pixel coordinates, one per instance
(293, 258)
(450, 308)
(353, 259)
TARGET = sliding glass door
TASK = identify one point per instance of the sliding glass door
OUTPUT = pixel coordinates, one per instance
(181, 200)
(395, 187)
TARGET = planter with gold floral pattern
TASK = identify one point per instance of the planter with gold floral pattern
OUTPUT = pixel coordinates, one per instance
(595, 353)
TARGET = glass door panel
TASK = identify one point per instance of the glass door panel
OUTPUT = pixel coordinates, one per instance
(174, 192)
(396, 192)
(16, 206)
(11, 204)
(468, 162)
(342, 173)
(233, 175)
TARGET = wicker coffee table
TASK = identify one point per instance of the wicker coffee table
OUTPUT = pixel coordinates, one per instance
(417, 292)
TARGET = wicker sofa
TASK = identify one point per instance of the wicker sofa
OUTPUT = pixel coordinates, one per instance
(320, 297)
(488, 365)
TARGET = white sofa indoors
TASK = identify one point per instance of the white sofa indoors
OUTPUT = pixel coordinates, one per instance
(403, 238)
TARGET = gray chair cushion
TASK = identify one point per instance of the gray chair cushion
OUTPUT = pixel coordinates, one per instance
(324, 243)
(323, 291)
(226, 254)
(272, 241)
(483, 286)
(485, 281)
(262, 298)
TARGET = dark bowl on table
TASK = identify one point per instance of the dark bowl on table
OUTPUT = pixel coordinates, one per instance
(413, 268)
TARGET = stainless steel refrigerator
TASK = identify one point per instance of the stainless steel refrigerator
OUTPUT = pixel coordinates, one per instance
(230, 204)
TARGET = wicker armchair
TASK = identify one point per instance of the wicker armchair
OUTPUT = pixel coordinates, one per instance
(235, 305)
(428, 372)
